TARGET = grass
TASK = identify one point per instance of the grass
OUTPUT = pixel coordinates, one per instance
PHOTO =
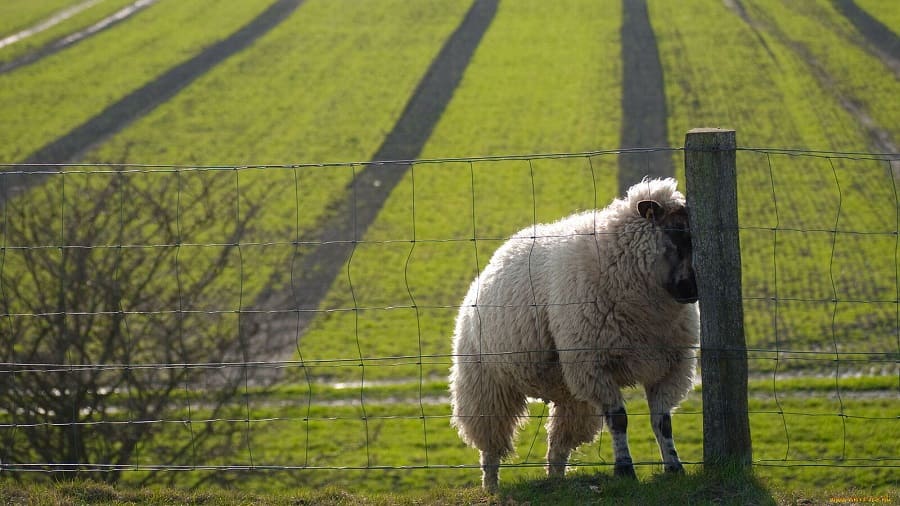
(887, 13)
(297, 104)
(79, 21)
(16, 15)
(804, 292)
(328, 96)
(318, 90)
(721, 487)
(442, 202)
(802, 442)
(455, 203)
(39, 103)
(725, 487)
(853, 72)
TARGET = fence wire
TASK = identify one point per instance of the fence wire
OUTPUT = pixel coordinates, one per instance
(160, 320)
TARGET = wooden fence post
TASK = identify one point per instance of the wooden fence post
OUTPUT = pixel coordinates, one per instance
(712, 200)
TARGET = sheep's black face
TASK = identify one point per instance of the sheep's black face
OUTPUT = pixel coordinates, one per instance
(677, 267)
(681, 282)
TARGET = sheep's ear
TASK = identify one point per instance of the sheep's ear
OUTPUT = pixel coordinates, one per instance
(650, 209)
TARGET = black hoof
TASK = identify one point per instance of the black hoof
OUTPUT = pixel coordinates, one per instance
(675, 468)
(625, 471)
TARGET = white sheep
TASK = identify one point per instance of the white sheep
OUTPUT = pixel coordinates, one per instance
(571, 312)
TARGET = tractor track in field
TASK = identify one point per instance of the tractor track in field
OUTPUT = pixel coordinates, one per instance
(73, 38)
(882, 42)
(644, 113)
(70, 147)
(880, 140)
(47, 23)
(346, 219)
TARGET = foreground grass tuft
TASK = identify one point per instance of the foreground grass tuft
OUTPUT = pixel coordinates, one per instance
(696, 487)
(730, 487)
(87, 492)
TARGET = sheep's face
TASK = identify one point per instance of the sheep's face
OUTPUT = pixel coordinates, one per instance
(675, 268)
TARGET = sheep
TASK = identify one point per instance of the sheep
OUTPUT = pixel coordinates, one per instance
(571, 312)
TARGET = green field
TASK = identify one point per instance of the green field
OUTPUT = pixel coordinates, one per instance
(78, 21)
(876, 8)
(277, 125)
(22, 14)
(850, 438)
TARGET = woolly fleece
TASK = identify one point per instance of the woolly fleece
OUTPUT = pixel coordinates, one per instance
(570, 312)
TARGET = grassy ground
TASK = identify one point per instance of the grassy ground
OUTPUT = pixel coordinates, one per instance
(319, 90)
(794, 266)
(807, 435)
(456, 202)
(16, 15)
(791, 274)
(303, 101)
(852, 71)
(39, 104)
(888, 13)
(721, 488)
(79, 21)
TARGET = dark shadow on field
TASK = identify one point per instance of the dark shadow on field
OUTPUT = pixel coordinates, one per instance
(72, 146)
(700, 487)
(644, 113)
(345, 221)
(885, 42)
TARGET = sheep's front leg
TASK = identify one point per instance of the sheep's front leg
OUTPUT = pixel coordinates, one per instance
(660, 403)
(617, 420)
(662, 428)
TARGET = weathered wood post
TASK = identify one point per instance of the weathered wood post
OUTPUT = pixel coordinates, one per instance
(712, 200)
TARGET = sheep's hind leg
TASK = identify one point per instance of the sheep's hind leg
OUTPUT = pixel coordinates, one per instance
(490, 471)
(492, 429)
(617, 420)
(571, 423)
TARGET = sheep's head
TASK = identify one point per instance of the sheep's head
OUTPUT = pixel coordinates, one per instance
(675, 267)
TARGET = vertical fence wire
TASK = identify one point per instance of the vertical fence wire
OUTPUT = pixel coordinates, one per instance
(241, 332)
(534, 300)
(776, 316)
(354, 238)
(180, 312)
(834, 310)
(890, 174)
(415, 307)
(295, 257)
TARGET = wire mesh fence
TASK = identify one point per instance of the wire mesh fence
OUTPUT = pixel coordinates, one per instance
(292, 322)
